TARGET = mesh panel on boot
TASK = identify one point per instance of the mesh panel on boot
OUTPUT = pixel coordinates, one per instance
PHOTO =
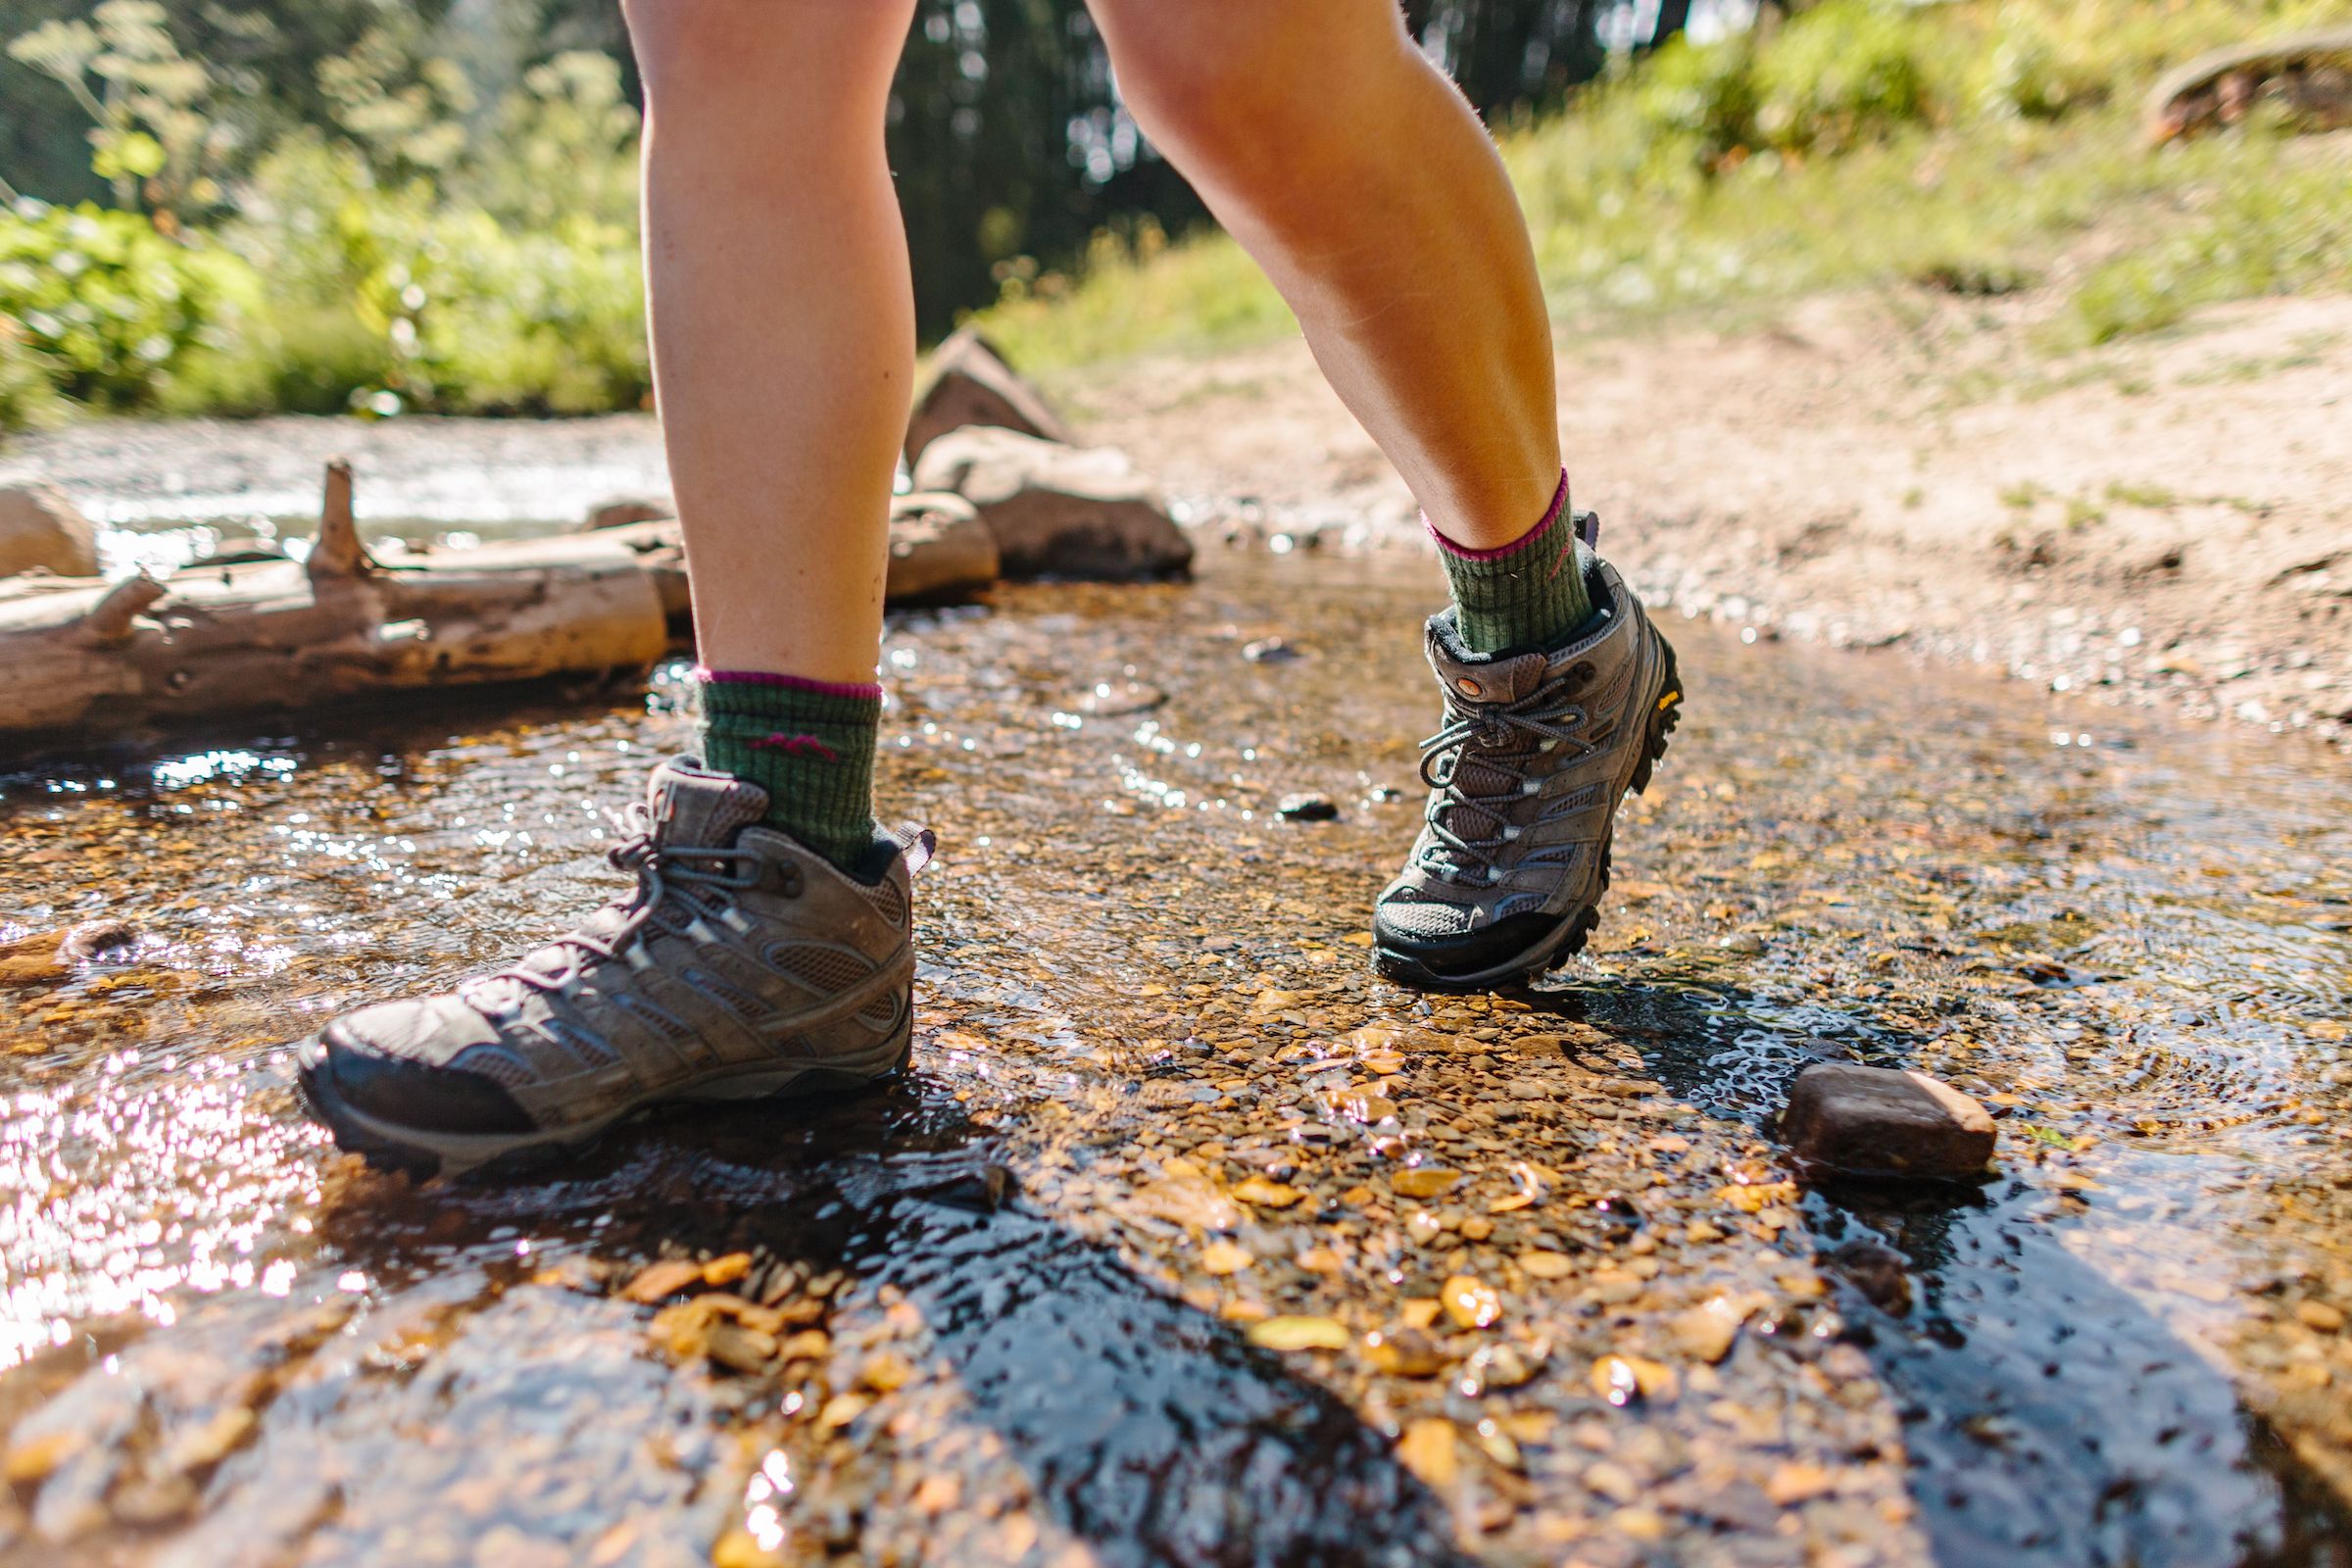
(1418, 919)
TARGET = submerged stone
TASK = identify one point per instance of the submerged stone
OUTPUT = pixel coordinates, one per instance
(1879, 1121)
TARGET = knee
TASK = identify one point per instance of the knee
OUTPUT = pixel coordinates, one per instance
(718, 55)
(1242, 90)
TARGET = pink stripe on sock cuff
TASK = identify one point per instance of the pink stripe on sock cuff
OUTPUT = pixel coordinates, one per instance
(1557, 510)
(795, 683)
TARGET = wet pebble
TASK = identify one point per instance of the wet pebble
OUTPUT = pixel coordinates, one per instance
(1270, 651)
(98, 942)
(1309, 808)
(1881, 1122)
(1111, 698)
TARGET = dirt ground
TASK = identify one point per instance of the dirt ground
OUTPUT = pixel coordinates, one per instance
(2159, 522)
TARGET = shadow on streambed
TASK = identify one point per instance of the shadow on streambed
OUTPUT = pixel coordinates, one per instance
(1148, 1430)
(2049, 1418)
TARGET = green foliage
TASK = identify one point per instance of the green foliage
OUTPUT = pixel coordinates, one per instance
(2289, 230)
(1695, 105)
(442, 304)
(1959, 147)
(1840, 75)
(108, 305)
(28, 398)
(152, 138)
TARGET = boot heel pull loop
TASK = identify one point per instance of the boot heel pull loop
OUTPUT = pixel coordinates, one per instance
(919, 845)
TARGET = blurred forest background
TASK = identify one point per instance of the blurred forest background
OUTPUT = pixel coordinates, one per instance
(441, 195)
(218, 205)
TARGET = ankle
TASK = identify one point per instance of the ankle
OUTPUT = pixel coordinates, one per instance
(1528, 593)
(809, 744)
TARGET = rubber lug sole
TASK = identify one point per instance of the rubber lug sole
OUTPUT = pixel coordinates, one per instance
(422, 1154)
(1567, 939)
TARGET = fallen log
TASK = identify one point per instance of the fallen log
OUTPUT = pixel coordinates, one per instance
(2308, 75)
(85, 661)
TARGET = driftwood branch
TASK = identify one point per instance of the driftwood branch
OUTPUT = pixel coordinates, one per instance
(85, 661)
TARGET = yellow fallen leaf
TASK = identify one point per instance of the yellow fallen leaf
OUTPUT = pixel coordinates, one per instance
(1755, 1196)
(1425, 1181)
(1266, 1194)
(1797, 1483)
(664, 1279)
(1620, 1379)
(1222, 1257)
(1420, 1311)
(841, 1409)
(1428, 1450)
(1469, 1303)
(35, 1458)
(1705, 1333)
(1187, 1200)
(1299, 1333)
(740, 1548)
(886, 1372)
(728, 1270)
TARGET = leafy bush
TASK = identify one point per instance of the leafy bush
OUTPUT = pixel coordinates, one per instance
(442, 305)
(1696, 103)
(109, 305)
(2273, 235)
(27, 398)
(1839, 75)
(2032, 74)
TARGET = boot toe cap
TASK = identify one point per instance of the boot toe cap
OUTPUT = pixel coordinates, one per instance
(397, 1063)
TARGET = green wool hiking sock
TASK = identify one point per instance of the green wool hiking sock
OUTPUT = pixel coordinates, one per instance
(1521, 596)
(808, 742)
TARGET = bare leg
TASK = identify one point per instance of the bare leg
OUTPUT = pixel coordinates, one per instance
(782, 317)
(1358, 176)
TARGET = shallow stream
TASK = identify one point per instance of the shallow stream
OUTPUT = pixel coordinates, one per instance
(1164, 1121)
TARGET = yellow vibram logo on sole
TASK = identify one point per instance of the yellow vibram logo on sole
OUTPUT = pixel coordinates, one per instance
(1669, 700)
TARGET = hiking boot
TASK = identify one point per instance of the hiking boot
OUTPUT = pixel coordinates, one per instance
(745, 964)
(1538, 749)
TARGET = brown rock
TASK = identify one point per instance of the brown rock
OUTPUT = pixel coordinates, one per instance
(623, 511)
(938, 547)
(42, 530)
(98, 942)
(972, 384)
(1876, 1121)
(1059, 510)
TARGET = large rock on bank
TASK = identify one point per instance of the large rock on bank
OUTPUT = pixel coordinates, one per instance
(939, 548)
(1878, 1122)
(42, 530)
(971, 384)
(1058, 511)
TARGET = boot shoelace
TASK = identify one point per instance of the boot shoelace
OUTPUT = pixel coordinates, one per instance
(1480, 733)
(661, 873)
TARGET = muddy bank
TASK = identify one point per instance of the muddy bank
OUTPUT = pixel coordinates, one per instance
(1188, 1240)
(2157, 523)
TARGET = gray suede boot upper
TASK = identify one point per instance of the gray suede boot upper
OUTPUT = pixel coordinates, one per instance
(744, 964)
(1538, 749)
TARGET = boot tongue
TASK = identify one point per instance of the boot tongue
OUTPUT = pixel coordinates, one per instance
(1472, 684)
(1474, 680)
(695, 808)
